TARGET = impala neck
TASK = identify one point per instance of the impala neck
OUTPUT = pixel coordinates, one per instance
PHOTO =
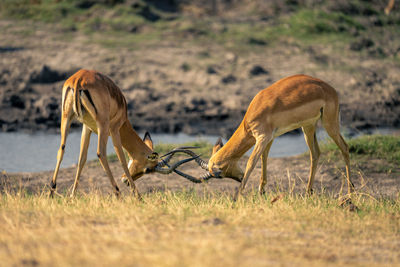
(240, 142)
(132, 143)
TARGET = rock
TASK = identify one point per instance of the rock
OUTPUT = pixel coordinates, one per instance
(231, 57)
(185, 67)
(228, 79)
(199, 102)
(85, 4)
(258, 70)
(47, 75)
(361, 44)
(134, 29)
(47, 111)
(17, 102)
(211, 70)
(148, 14)
(255, 41)
(7, 49)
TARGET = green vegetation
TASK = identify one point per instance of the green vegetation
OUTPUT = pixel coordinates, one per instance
(46, 11)
(370, 146)
(186, 229)
(129, 23)
(306, 24)
(87, 16)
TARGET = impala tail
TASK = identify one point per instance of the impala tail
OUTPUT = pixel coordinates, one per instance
(77, 102)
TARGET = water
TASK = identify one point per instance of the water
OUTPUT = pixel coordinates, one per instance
(21, 152)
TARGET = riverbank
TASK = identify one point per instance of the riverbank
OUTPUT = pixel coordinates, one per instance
(197, 73)
(374, 161)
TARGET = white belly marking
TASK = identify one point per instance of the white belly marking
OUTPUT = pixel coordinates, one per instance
(288, 128)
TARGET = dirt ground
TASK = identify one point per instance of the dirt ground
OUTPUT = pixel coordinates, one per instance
(284, 175)
(187, 83)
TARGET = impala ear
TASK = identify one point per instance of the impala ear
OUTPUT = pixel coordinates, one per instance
(217, 146)
(147, 140)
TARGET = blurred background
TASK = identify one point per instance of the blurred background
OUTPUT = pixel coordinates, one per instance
(193, 66)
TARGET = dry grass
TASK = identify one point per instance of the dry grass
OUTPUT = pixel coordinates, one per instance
(187, 229)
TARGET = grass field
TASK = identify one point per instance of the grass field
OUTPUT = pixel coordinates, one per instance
(204, 228)
(188, 229)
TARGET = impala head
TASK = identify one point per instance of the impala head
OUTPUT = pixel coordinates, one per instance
(218, 168)
(151, 162)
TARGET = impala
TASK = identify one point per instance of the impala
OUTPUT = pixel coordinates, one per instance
(290, 103)
(96, 101)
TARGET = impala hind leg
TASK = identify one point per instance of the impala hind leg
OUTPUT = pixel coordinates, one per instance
(66, 120)
(261, 144)
(102, 154)
(85, 140)
(334, 132)
(263, 179)
(121, 156)
(312, 142)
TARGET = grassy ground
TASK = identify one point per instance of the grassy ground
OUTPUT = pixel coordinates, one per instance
(187, 229)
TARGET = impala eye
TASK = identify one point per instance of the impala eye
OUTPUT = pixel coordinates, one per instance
(216, 174)
(153, 156)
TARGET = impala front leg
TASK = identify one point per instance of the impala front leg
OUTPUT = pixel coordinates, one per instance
(261, 144)
(102, 155)
(312, 142)
(263, 179)
(334, 132)
(66, 119)
(120, 153)
(85, 140)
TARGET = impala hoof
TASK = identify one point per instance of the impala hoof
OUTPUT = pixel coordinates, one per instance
(348, 204)
(125, 181)
(310, 192)
(261, 192)
(236, 195)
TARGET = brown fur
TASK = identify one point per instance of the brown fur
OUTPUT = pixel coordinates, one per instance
(290, 103)
(101, 108)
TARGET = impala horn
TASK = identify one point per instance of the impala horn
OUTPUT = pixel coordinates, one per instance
(168, 170)
(203, 164)
(202, 178)
(171, 153)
